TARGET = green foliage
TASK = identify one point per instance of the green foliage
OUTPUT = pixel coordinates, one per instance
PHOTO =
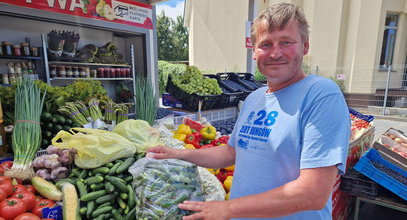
(165, 69)
(172, 38)
(340, 83)
(258, 75)
(7, 102)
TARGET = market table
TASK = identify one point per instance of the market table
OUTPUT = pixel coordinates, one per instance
(384, 200)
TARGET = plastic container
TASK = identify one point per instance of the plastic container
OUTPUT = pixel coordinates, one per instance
(232, 83)
(367, 168)
(229, 98)
(247, 79)
(191, 101)
(357, 184)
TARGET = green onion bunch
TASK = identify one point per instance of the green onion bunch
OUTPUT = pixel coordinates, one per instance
(145, 101)
(26, 138)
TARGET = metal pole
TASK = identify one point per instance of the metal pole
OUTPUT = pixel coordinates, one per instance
(316, 70)
(45, 56)
(387, 90)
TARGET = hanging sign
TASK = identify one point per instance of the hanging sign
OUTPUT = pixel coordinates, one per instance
(127, 12)
(248, 43)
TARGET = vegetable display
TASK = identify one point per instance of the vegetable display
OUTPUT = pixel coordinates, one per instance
(26, 137)
(160, 185)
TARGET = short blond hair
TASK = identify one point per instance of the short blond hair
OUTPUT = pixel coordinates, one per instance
(278, 17)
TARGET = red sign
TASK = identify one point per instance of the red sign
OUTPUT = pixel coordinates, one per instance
(118, 11)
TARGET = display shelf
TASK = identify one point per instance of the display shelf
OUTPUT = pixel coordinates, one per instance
(20, 57)
(101, 79)
(87, 64)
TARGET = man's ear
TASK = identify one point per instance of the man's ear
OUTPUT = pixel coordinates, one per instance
(306, 47)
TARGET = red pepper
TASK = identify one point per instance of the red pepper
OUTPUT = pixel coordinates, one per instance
(221, 140)
(222, 175)
(206, 146)
(198, 136)
(191, 139)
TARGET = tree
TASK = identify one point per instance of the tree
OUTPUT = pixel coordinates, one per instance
(172, 39)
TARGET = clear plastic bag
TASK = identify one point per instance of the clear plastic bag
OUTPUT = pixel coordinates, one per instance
(160, 185)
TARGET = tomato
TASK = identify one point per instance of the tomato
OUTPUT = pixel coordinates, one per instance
(19, 188)
(41, 204)
(30, 188)
(3, 195)
(11, 208)
(7, 164)
(27, 216)
(1, 170)
(1, 218)
(4, 178)
(7, 187)
(27, 197)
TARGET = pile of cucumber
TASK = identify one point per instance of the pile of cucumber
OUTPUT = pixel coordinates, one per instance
(105, 192)
(51, 124)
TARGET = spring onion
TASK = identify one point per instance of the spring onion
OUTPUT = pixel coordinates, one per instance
(145, 100)
(26, 136)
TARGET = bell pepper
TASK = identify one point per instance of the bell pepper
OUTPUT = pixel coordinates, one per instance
(191, 139)
(208, 132)
(189, 146)
(214, 171)
(230, 168)
(220, 141)
(198, 136)
(227, 184)
(184, 129)
(180, 137)
(206, 146)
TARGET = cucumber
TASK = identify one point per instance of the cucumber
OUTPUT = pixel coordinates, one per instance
(90, 207)
(60, 119)
(109, 165)
(94, 179)
(81, 188)
(125, 165)
(59, 183)
(66, 127)
(117, 183)
(122, 204)
(97, 186)
(101, 170)
(106, 198)
(83, 174)
(68, 122)
(112, 170)
(131, 202)
(101, 211)
(116, 215)
(46, 116)
(128, 179)
(48, 134)
(131, 215)
(124, 195)
(58, 128)
(93, 195)
(83, 210)
(109, 187)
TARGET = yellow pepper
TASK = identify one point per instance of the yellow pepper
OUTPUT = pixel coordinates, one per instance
(184, 129)
(180, 137)
(189, 146)
(214, 171)
(227, 196)
(230, 168)
(208, 132)
(228, 183)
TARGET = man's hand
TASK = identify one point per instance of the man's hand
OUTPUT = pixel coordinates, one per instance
(163, 152)
(213, 210)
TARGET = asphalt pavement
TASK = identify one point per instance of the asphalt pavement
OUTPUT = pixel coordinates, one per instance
(369, 211)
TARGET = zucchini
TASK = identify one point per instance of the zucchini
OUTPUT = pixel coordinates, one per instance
(117, 183)
(94, 179)
(93, 195)
(101, 211)
(106, 198)
(125, 165)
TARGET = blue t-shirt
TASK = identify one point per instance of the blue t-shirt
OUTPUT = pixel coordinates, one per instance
(305, 125)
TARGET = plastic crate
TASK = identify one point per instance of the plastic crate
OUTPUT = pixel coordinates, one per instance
(232, 83)
(357, 184)
(366, 167)
(191, 101)
(248, 80)
(229, 98)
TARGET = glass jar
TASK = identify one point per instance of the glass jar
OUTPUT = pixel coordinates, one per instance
(93, 73)
(68, 71)
(34, 51)
(75, 72)
(61, 71)
(82, 72)
(107, 72)
(4, 78)
(10, 68)
(101, 73)
(12, 78)
(6, 47)
(17, 50)
(87, 72)
(128, 73)
(52, 71)
(113, 73)
(25, 49)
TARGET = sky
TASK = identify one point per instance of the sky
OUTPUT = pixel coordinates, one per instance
(172, 8)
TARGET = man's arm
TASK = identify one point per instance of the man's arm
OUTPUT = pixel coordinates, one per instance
(213, 157)
(310, 191)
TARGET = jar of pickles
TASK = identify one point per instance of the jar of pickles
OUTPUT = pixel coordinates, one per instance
(69, 72)
(25, 49)
(61, 71)
(4, 78)
(75, 71)
(12, 78)
(34, 51)
(6, 47)
(17, 50)
(52, 71)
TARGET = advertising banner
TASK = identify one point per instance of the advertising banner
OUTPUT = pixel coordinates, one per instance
(118, 11)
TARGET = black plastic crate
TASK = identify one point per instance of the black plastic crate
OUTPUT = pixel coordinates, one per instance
(232, 83)
(247, 80)
(191, 101)
(229, 98)
(358, 184)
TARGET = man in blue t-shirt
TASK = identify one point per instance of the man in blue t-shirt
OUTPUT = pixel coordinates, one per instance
(291, 137)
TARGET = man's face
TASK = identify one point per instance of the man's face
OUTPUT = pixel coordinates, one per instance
(279, 53)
